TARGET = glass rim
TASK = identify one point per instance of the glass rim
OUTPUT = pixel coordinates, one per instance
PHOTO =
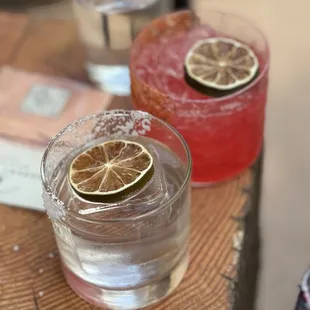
(88, 4)
(211, 100)
(117, 112)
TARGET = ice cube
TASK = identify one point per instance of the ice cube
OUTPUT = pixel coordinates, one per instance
(156, 191)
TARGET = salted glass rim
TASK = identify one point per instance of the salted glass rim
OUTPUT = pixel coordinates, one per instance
(212, 100)
(77, 123)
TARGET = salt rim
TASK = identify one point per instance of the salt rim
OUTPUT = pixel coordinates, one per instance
(211, 101)
(57, 206)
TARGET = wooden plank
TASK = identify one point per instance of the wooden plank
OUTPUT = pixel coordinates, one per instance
(12, 28)
(51, 47)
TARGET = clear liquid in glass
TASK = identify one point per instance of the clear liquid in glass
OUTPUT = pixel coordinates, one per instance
(107, 29)
(131, 263)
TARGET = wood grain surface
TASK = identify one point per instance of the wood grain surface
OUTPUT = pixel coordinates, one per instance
(30, 273)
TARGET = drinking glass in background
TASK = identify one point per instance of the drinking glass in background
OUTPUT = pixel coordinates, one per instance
(224, 133)
(130, 253)
(107, 28)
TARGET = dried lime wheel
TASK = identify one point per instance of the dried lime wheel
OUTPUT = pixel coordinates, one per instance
(221, 63)
(111, 170)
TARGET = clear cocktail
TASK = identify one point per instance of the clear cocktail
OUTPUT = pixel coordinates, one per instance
(117, 193)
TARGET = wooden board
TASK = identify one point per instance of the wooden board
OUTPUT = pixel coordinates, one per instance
(30, 274)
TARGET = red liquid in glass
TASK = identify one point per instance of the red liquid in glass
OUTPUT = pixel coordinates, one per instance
(225, 135)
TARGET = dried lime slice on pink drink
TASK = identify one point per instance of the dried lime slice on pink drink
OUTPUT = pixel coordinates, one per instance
(221, 63)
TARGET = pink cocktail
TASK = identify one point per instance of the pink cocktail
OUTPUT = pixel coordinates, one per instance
(224, 130)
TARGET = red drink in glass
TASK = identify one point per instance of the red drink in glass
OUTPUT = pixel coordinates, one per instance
(225, 134)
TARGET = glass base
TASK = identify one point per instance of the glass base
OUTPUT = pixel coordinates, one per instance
(112, 79)
(210, 183)
(228, 177)
(204, 184)
(130, 299)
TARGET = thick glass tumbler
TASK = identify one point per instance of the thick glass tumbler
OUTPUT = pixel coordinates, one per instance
(132, 252)
(107, 28)
(223, 126)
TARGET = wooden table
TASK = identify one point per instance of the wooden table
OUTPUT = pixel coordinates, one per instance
(219, 276)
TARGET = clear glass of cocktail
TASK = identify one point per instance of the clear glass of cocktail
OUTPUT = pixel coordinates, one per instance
(116, 188)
